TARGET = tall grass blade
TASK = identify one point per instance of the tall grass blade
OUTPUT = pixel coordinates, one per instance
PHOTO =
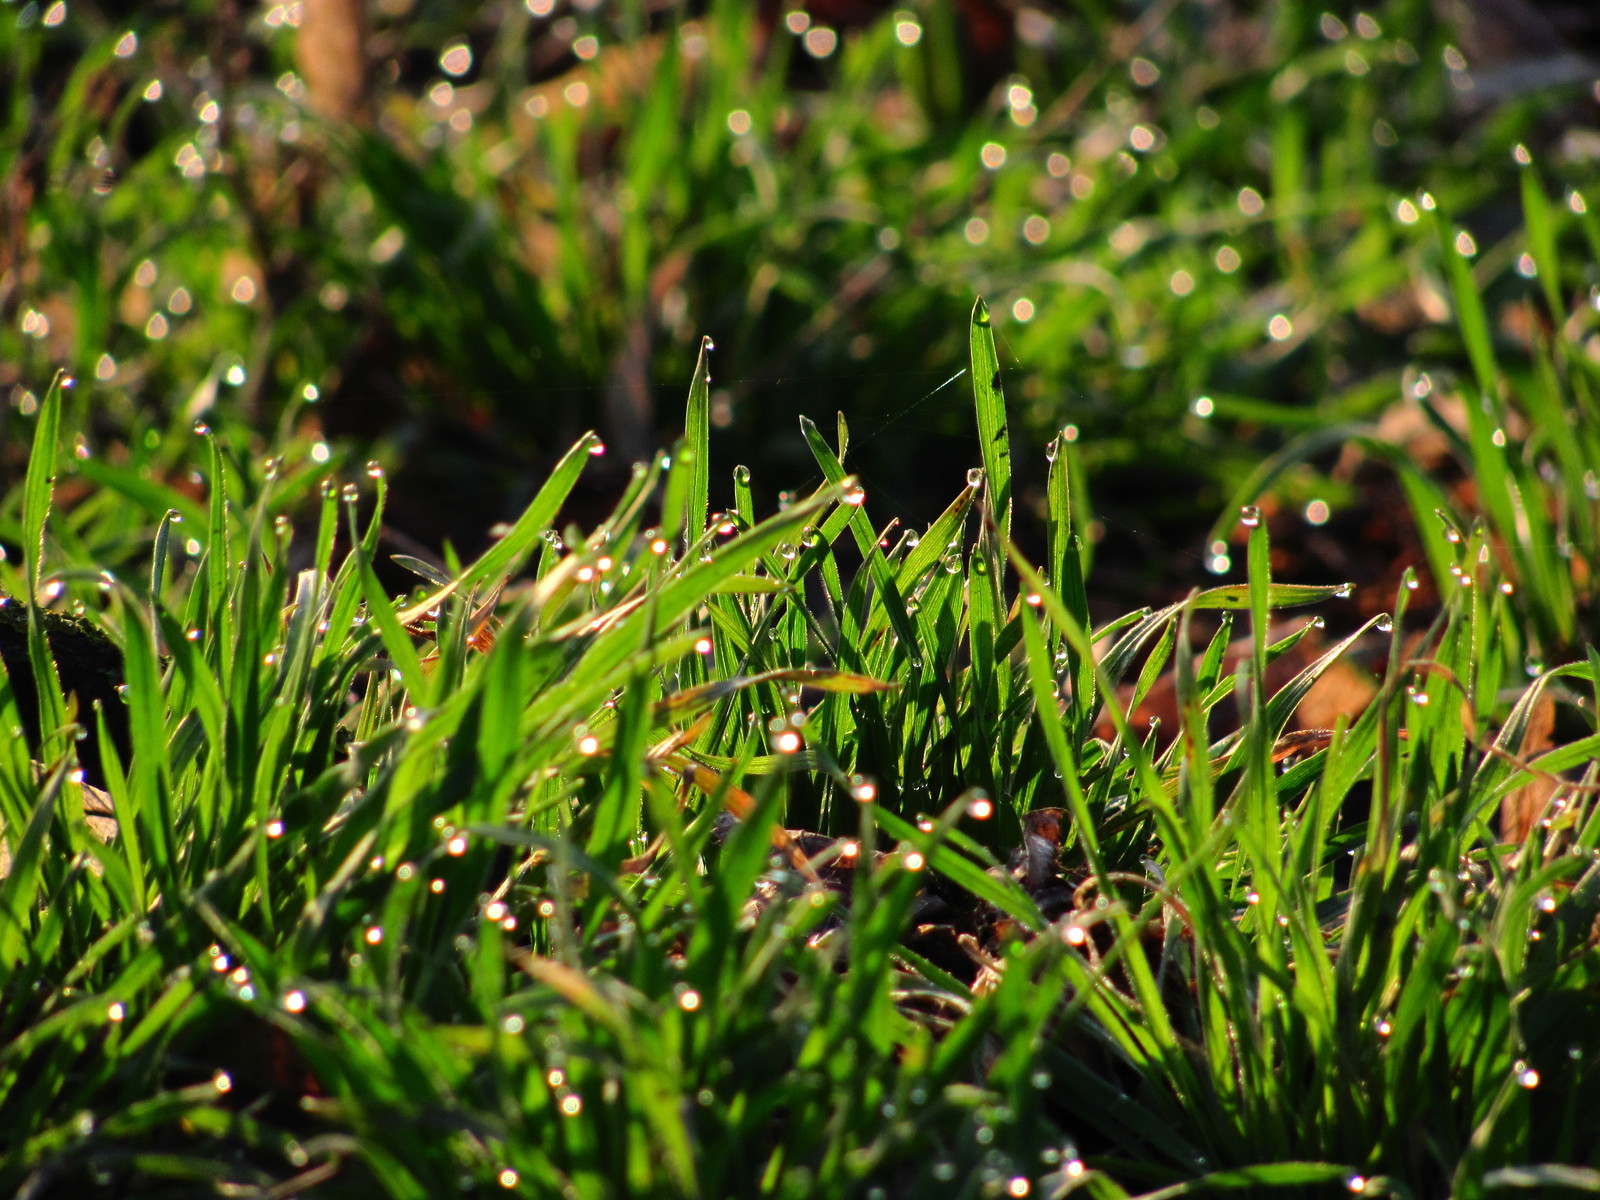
(993, 438)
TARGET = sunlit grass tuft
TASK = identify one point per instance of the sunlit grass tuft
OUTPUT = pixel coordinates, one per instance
(516, 882)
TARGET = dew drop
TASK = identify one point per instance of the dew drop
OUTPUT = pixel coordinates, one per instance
(1249, 516)
(975, 477)
(201, 428)
(1384, 624)
(596, 448)
(374, 469)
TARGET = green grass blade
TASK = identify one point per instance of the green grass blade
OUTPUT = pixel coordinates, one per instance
(697, 442)
(994, 440)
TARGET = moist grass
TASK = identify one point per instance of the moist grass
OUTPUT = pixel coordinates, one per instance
(1196, 227)
(698, 844)
(488, 888)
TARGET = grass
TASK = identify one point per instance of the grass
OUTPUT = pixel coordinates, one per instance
(430, 893)
(694, 843)
(490, 262)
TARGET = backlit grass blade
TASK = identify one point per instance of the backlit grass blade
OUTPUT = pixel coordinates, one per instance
(500, 559)
(37, 491)
(933, 545)
(1277, 595)
(993, 437)
(1540, 223)
(1470, 312)
(1066, 567)
(1062, 752)
(39, 484)
(697, 442)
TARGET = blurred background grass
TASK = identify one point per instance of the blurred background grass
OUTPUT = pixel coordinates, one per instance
(469, 232)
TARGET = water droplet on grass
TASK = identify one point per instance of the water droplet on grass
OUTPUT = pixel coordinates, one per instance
(1249, 516)
(975, 477)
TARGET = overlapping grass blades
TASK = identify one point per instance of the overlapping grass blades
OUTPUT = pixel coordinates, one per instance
(489, 888)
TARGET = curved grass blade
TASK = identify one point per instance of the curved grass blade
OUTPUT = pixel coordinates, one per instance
(497, 561)
(1279, 595)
